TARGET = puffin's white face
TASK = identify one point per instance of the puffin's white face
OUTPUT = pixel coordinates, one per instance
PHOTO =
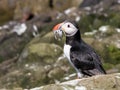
(68, 28)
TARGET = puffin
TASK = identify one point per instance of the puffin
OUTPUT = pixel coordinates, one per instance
(81, 56)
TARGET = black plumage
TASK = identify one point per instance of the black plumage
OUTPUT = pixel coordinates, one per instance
(83, 56)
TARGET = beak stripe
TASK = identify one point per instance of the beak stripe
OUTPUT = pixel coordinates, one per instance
(57, 26)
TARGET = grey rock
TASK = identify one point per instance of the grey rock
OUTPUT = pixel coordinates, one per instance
(100, 82)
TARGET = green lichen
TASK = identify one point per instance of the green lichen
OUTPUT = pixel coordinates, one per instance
(108, 66)
(1, 59)
(114, 19)
(94, 21)
(112, 55)
(43, 49)
(86, 22)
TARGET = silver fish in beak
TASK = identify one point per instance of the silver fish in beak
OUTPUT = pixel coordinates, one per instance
(58, 33)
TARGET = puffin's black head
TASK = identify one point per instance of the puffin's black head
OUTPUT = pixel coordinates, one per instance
(69, 28)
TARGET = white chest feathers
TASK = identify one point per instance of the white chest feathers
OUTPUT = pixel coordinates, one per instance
(67, 54)
(67, 51)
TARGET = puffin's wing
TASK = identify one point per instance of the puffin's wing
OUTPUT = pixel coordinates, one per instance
(88, 62)
(82, 60)
(97, 62)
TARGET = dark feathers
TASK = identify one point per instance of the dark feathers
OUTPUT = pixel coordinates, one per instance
(84, 57)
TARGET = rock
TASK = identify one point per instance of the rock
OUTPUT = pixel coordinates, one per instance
(42, 50)
(106, 42)
(118, 66)
(37, 68)
(38, 6)
(40, 66)
(14, 39)
(19, 34)
(66, 4)
(7, 4)
(100, 82)
(87, 3)
(42, 63)
(46, 34)
(5, 15)
(6, 10)
(47, 38)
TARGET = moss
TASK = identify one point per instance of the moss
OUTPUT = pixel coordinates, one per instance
(97, 23)
(114, 19)
(43, 49)
(32, 78)
(94, 21)
(56, 73)
(86, 22)
(25, 82)
(100, 20)
(1, 59)
(91, 22)
(108, 66)
(112, 55)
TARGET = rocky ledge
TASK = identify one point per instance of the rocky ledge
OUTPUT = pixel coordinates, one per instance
(99, 82)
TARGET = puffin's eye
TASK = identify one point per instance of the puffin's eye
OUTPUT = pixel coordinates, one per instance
(68, 25)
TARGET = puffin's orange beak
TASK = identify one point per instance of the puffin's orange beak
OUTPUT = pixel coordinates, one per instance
(56, 27)
(57, 31)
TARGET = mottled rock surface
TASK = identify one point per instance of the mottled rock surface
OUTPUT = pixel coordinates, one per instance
(49, 6)
(100, 82)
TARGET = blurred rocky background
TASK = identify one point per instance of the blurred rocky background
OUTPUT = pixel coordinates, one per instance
(30, 56)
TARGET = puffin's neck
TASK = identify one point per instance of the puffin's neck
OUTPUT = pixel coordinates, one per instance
(71, 39)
